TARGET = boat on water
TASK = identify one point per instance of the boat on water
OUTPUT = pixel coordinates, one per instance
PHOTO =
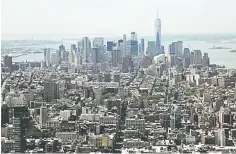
(214, 47)
(232, 50)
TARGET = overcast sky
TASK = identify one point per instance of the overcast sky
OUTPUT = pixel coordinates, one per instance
(117, 17)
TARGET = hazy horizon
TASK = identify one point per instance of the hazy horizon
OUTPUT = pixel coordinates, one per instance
(117, 17)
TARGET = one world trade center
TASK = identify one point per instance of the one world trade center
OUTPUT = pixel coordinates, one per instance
(158, 34)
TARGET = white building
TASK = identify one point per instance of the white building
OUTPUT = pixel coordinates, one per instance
(53, 123)
(159, 59)
(108, 119)
(133, 143)
(135, 123)
(64, 115)
(98, 95)
(43, 117)
(66, 137)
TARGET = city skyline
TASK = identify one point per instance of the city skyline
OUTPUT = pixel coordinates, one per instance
(109, 17)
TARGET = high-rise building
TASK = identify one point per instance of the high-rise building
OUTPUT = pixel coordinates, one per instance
(172, 60)
(142, 45)
(4, 113)
(47, 55)
(179, 49)
(62, 48)
(95, 55)
(197, 57)
(8, 62)
(110, 45)
(124, 46)
(115, 57)
(191, 58)
(162, 51)
(120, 42)
(120, 47)
(133, 36)
(73, 47)
(158, 33)
(107, 77)
(206, 59)
(54, 59)
(86, 49)
(79, 46)
(176, 48)
(58, 55)
(51, 90)
(132, 47)
(128, 64)
(66, 56)
(98, 95)
(61, 53)
(43, 117)
(116, 77)
(186, 62)
(140, 49)
(172, 48)
(71, 57)
(20, 115)
(151, 49)
(186, 53)
(98, 42)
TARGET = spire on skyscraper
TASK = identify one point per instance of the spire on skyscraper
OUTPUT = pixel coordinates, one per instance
(157, 14)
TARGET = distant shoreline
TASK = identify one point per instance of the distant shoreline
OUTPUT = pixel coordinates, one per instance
(59, 37)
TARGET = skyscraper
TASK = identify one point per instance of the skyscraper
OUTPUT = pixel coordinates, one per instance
(61, 53)
(110, 45)
(158, 33)
(133, 36)
(186, 53)
(98, 42)
(151, 48)
(179, 47)
(162, 51)
(128, 64)
(47, 57)
(20, 115)
(95, 55)
(191, 58)
(197, 57)
(73, 47)
(142, 45)
(132, 47)
(176, 48)
(43, 117)
(8, 62)
(115, 57)
(124, 46)
(206, 59)
(79, 46)
(172, 48)
(51, 90)
(86, 47)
